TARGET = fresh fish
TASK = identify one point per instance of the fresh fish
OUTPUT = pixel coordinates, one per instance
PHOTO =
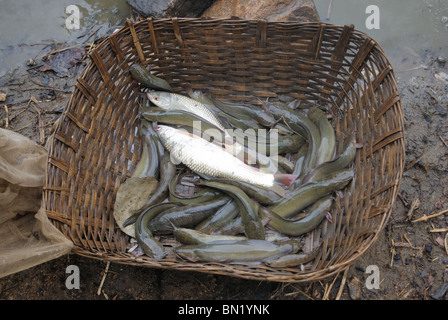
(238, 111)
(174, 101)
(263, 195)
(310, 192)
(182, 118)
(253, 227)
(300, 160)
(297, 227)
(221, 217)
(144, 236)
(142, 75)
(185, 216)
(327, 135)
(203, 195)
(234, 251)
(149, 163)
(190, 236)
(293, 260)
(343, 160)
(301, 124)
(207, 158)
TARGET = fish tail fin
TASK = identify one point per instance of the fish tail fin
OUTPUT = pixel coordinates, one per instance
(284, 178)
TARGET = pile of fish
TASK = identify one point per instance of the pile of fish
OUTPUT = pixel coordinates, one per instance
(257, 178)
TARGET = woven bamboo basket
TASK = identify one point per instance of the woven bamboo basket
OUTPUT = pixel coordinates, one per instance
(94, 147)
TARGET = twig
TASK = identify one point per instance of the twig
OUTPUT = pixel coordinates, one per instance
(408, 293)
(103, 279)
(393, 252)
(325, 288)
(300, 291)
(407, 240)
(14, 102)
(425, 217)
(45, 44)
(47, 87)
(279, 290)
(445, 243)
(202, 284)
(12, 118)
(439, 230)
(6, 117)
(405, 245)
(341, 288)
(25, 126)
(59, 50)
(403, 290)
(414, 205)
(39, 119)
(328, 289)
(91, 47)
(444, 142)
(405, 202)
(413, 162)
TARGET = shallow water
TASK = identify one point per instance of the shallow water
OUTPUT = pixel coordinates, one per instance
(409, 30)
(28, 26)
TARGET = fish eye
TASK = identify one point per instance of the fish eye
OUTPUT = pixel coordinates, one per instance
(156, 98)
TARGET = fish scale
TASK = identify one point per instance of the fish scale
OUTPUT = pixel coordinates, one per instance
(173, 101)
(209, 159)
(176, 101)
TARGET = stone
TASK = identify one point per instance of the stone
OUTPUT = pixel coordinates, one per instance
(270, 10)
(169, 8)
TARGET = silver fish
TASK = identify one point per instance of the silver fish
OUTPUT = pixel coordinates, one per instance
(173, 101)
(167, 100)
(209, 159)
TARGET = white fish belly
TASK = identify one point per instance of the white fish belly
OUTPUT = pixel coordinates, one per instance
(209, 159)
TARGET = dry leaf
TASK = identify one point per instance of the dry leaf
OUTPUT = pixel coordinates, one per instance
(132, 195)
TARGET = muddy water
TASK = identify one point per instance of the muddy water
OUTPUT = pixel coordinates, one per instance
(409, 30)
(28, 26)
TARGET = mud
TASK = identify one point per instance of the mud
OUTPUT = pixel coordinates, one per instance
(412, 261)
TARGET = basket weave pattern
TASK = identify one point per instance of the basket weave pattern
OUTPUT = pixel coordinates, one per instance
(94, 147)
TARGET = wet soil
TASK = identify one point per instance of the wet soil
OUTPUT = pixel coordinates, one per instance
(412, 260)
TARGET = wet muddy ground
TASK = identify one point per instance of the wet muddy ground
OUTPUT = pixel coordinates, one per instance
(412, 257)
